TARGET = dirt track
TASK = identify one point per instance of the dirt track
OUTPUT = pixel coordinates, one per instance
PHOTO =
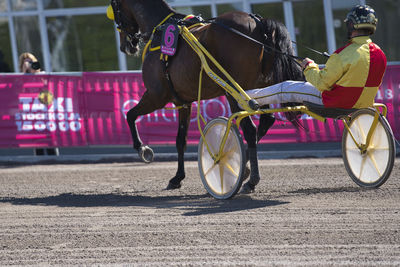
(307, 212)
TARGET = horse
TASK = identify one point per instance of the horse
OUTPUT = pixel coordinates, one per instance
(249, 63)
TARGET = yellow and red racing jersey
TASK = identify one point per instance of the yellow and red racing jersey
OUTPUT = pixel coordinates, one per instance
(352, 75)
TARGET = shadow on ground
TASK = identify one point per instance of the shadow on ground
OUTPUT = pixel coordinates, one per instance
(313, 191)
(192, 205)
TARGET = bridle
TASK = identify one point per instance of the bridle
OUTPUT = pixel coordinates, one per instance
(125, 24)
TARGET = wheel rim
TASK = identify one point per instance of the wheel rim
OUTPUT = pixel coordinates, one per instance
(221, 178)
(370, 166)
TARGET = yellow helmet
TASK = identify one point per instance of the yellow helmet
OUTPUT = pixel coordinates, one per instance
(110, 13)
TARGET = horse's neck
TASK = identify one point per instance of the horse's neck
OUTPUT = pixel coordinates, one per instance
(149, 14)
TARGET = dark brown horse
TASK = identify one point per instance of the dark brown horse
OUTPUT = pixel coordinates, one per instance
(245, 60)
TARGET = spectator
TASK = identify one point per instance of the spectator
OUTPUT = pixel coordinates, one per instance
(28, 64)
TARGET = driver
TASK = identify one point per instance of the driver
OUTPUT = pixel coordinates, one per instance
(351, 76)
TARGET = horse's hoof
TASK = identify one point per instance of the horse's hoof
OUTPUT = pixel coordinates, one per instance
(172, 186)
(247, 188)
(246, 173)
(146, 154)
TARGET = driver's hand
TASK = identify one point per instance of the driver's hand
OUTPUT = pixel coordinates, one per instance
(305, 62)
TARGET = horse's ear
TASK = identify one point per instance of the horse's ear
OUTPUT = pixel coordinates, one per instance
(110, 12)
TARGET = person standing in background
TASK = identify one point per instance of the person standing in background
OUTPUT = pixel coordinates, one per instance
(28, 64)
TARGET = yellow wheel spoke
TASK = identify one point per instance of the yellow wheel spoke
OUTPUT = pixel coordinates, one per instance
(212, 150)
(225, 157)
(229, 167)
(361, 130)
(363, 159)
(221, 176)
(228, 153)
(353, 149)
(372, 158)
(378, 148)
(210, 169)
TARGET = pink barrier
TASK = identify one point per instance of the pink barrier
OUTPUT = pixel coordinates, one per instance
(27, 122)
(64, 110)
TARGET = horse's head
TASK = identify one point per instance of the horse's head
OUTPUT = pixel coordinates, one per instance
(127, 26)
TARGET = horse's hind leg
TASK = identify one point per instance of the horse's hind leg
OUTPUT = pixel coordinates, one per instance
(146, 105)
(250, 133)
(266, 121)
(181, 139)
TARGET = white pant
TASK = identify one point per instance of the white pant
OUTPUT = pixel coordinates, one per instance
(284, 92)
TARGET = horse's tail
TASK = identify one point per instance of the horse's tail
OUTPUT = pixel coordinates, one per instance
(283, 67)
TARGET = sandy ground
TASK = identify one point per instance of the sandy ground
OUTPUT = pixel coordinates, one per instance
(304, 212)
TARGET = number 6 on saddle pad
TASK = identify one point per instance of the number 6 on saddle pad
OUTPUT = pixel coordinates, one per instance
(169, 40)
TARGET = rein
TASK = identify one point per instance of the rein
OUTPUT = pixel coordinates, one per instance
(266, 47)
(325, 54)
(256, 41)
(295, 58)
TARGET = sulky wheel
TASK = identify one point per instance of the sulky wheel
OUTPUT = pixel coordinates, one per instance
(372, 168)
(223, 178)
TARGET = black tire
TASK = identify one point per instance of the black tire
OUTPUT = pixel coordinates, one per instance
(374, 167)
(223, 179)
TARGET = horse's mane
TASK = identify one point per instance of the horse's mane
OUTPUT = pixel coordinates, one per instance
(283, 68)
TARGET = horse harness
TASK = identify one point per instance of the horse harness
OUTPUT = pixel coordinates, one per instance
(190, 21)
(156, 43)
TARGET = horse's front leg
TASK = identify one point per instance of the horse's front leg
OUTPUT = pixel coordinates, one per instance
(147, 104)
(181, 139)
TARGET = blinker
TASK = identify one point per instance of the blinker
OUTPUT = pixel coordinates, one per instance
(110, 13)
